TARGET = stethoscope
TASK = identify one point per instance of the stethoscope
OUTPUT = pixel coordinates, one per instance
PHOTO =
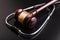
(43, 6)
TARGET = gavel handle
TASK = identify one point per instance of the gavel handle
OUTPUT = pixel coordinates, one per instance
(43, 7)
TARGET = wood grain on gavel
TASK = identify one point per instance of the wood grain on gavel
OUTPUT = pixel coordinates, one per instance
(28, 19)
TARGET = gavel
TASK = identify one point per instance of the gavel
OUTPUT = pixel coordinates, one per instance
(27, 18)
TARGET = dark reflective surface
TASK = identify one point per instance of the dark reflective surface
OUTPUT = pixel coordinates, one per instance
(51, 31)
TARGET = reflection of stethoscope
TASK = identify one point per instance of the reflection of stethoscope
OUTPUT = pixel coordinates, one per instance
(29, 19)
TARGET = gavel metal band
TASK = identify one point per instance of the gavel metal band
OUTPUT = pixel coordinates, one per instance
(22, 16)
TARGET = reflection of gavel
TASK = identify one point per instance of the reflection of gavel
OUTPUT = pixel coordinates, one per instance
(28, 18)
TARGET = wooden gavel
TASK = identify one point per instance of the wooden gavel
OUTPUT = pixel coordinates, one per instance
(29, 19)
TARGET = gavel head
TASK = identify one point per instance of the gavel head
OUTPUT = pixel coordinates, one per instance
(25, 18)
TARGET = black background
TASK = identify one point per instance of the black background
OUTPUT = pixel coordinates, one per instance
(51, 32)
